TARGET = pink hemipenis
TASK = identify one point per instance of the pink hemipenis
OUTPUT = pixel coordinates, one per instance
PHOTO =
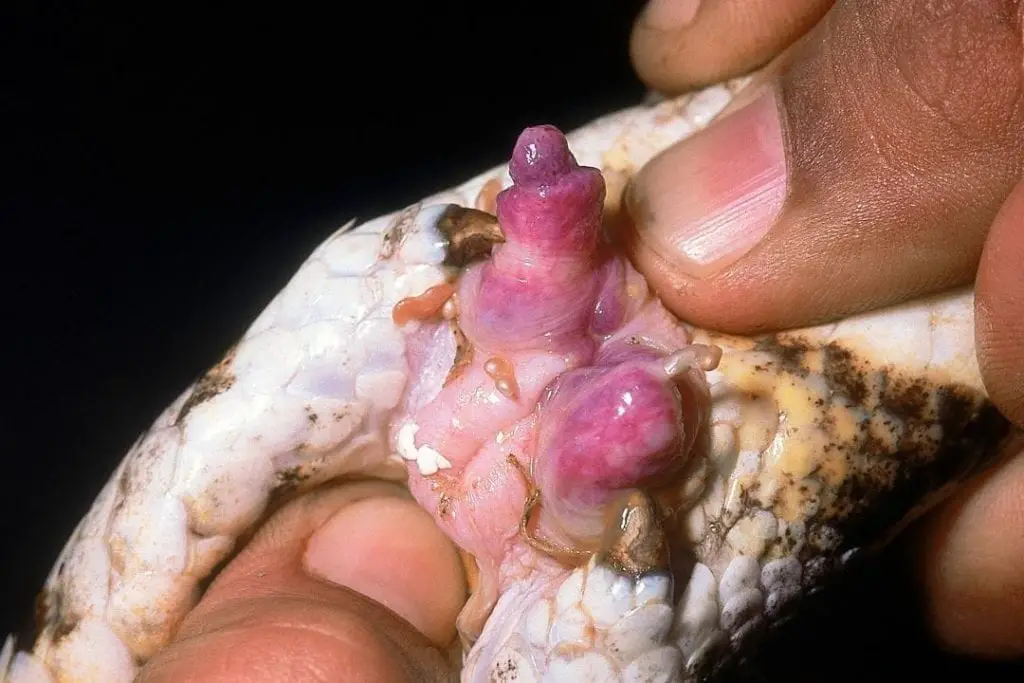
(565, 384)
(554, 204)
(622, 427)
(539, 288)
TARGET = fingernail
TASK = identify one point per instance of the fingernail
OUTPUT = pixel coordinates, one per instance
(391, 551)
(669, 15)
(709, 200)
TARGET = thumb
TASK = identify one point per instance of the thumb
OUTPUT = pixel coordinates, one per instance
(999, 308)
(354, 583)
(865, 169)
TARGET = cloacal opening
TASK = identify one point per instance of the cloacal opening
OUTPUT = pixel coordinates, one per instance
(574, 394)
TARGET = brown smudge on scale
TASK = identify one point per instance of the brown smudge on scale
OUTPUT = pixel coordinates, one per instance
(504, 376)
(505, 671)
(907, 399)
(43, 613)
(290, 479)
(471, 234)
(396, 231)
(842, 374)
(216, 381)
(63, 628)
(487, 197)
(463, 353)
(634, 541)
(790, 353)
(50, 613)
(423, 306)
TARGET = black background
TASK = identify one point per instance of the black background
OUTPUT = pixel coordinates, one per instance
(167, 170)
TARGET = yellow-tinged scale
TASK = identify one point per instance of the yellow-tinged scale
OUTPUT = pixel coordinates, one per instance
(797, 453)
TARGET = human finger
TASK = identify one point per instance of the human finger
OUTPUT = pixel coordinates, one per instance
(866, 171)
(354, 583)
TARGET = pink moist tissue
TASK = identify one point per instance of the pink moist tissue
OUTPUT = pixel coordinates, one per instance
(571, 385)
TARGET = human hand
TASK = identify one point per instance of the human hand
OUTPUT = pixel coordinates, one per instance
(876, 158)
(354, 583)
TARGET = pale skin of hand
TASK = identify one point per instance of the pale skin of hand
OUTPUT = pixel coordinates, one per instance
(889, 133)
(353, 583)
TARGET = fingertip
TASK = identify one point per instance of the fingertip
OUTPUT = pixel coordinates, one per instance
(733, 303)
(999, 319)
(352, 582)
(679, 45)
(705, 231)
(391, 551)
(280, 642)
(828, 193)
(973, 586)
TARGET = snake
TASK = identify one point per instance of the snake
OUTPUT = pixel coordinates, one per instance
(635, 498)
